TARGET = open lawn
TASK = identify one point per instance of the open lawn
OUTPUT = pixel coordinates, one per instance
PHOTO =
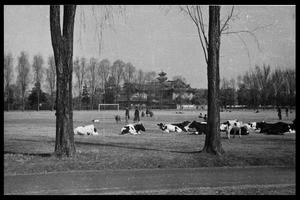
(29, 139)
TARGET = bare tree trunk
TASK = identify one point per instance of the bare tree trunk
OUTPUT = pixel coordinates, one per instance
(63, 54)
(213, 139)
(23, 102)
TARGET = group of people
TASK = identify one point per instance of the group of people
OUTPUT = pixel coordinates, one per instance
(136, 117)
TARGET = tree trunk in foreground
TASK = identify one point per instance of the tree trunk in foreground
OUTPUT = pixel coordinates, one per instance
(213, 139)
(63, 53)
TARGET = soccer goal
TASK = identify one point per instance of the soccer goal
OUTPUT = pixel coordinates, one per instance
(102, 107)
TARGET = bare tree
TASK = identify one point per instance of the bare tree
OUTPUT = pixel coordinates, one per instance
(128, 77)
(80, 73)
(23, 79)
(92, 78)
(263, 81)
(62, 43)
(278, 86)
(290, 85)
(140, 80)
(8, 75)
(38, 72)
(117, 70)
(179, 77)
(103, 73)
(51, 78)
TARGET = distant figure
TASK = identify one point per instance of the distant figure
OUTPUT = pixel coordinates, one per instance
(147, 112)
(200, 116)
(151, 113)
(117, 118)
(127, 114)
(136, 115)
(279, 112)
(286, 111)
(143, 114)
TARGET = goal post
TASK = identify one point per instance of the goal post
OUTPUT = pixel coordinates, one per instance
(102, 107)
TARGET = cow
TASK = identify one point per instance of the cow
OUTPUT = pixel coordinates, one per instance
(166, 128)
(117, 118)
(182, 125)
(201, 127)
(86, 130)
(96, 120)
(278, 128)
(133, 129)
(252, 125)
(233, 127)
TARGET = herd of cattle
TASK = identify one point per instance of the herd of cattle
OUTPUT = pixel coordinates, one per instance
(230, 127)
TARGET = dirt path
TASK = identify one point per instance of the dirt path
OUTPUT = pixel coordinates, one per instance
(118, 181)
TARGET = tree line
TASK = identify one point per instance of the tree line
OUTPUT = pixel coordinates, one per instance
(94, 82)
(102, 82)
(260, 88)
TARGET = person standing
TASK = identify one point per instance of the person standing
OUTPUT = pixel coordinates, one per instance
(127, 114)
(279, 112)
(287, 111)
(136, 115)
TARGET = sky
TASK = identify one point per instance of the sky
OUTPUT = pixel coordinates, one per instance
(153, 39)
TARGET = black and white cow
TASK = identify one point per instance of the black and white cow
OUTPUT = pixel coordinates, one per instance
(182, 125)
(201, 127)
(166, 128)
(96, 120)
(273, 128)
(133, 129)
(86, 130)
(233, 127)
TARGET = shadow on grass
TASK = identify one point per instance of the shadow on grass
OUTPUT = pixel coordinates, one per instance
(29, 154)
(133, 147)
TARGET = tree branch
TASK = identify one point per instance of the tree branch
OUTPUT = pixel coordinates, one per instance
(228, 18)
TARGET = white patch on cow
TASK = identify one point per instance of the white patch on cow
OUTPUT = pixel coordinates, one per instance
(131, 129)
(171, 128)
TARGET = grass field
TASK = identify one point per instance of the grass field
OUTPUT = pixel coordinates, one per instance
(29, 139)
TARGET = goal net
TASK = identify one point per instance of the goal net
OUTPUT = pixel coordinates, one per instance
(102, 107)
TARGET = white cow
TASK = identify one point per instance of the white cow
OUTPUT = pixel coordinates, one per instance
(86, 130)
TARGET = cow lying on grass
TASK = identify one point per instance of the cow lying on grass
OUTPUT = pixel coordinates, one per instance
(201, 127)
(86, 130)
(96, 120)
(133, 129)
(275, 129)
(166, 128)
(182, 125)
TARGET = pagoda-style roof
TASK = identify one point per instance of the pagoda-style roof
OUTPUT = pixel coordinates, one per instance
(175, 85)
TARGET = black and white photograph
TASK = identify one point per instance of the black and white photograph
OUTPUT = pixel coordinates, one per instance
(149, 99)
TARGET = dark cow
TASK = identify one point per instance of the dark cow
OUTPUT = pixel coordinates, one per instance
(200, 127)
(275, 129)
(133, 129)
(182, 125)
